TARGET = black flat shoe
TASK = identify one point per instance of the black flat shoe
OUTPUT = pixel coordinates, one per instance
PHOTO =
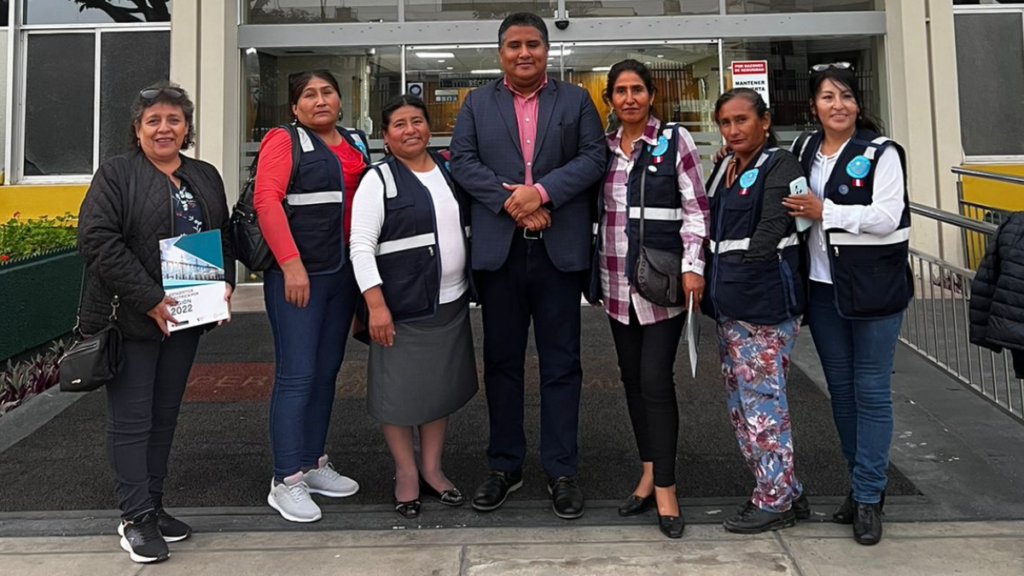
(636, 505)
(846, 511)
(566, 497)
(451, 497)
(801, 508)
(867, 526)
(410, 509)
(493, 492)
(753, 520)
(671, 526)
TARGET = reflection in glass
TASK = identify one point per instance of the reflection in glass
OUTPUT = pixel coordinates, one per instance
(59, 104)
(94, 11)
(784, 6)
(314, 11)
(613, 8)
(425, 10)
(129, 62)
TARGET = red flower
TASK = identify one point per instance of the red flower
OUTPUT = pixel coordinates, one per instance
(17, 214)
(4, 257)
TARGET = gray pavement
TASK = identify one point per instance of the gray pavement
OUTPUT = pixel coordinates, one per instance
(909, 549)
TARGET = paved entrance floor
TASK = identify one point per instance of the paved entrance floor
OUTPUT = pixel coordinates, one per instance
(911, 549)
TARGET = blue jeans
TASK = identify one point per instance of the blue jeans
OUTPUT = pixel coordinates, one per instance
(857, 357)
(309, 345)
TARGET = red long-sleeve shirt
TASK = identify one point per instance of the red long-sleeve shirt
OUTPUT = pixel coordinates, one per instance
(272, 172)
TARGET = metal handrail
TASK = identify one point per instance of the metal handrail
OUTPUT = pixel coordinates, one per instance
(951, 218)
(1005, 178)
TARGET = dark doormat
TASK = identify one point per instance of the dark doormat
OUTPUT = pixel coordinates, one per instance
(221, 453)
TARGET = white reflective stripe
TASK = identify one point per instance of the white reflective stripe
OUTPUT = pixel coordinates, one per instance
(312, 198)
(669, 214)
(804, 146)
(307, 142)
(594, 228)
(744, 244)
(667, 133)
(390, 188)
(870, 152)
(847, 239)
(880, 140)
(729, 245)
(764, 157)
(469, 231)
(792, 240)
(419, 241)
(722, 166)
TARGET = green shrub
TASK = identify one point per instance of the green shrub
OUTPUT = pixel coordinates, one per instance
(22, 239)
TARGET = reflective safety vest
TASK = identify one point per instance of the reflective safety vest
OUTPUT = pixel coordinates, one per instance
(316, 201)
(765, 293)
(408, 257)
(871, 274)
(655, 170)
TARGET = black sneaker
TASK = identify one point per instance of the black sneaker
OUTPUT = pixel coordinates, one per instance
(753, 520)
(172, 529)
(141, 539)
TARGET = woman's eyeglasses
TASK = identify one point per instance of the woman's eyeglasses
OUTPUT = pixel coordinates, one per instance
(836, 65)
(153, 93)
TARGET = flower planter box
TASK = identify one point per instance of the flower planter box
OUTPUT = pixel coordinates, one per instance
(38, 299)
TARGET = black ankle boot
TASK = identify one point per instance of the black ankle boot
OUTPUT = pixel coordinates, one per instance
(867, 525)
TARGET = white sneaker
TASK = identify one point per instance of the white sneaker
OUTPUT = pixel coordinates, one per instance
(291, 498)
(326, 481)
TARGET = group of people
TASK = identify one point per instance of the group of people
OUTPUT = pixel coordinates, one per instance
(397, 249)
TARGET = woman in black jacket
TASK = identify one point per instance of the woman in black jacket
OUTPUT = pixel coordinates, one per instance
(135, 201)
(997, 294)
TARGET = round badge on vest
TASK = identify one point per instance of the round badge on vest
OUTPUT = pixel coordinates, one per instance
(858, 169)
(844, 189)
(747, 180)
(652, 169)
(658, 152)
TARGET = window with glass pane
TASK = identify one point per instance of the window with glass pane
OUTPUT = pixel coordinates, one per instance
(368, 78)
(314, 11)
(95, 11)
(784, 6)
(789, 64)
(424, 10)
(990, 53)
(59, 107)
(5, 11)
(613, 8)
(129, 62)
(448, 74)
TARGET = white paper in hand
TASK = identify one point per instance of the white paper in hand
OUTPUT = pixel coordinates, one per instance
(692, 334)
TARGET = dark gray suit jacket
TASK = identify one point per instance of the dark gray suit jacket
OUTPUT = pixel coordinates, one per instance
(569, 159)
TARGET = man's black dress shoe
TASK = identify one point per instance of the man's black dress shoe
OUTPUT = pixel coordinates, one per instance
(753, 520)
(801, 508)
(672, 526)
(636, 505)
(451, 497)
(493, 492)
(566, 497)
(867, 527)
(847, 511)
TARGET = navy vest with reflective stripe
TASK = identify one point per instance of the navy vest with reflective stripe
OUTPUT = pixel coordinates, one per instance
(871, 274)
(408, 258)
(764, 293)
(316, 202)
(663, 207)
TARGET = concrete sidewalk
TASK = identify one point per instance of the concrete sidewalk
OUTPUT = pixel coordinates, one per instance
(984, 548)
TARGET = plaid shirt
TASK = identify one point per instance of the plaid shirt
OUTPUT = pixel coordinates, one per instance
(696, 223)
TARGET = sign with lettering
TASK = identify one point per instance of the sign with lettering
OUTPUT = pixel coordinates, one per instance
(751, 74)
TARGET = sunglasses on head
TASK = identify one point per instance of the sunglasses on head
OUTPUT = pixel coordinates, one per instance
(153, 93)
(836, 65)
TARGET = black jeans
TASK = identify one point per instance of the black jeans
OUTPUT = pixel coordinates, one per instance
(142, 412)
(646, 356)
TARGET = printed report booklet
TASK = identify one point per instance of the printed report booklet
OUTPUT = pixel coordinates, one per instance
(193, 275)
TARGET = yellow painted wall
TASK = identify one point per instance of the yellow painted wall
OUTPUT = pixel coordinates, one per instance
(995, 194)
(42, 200)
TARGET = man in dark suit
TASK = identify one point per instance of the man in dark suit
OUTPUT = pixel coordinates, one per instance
(529, 149)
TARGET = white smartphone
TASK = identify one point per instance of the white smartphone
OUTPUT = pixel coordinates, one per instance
(799, 186)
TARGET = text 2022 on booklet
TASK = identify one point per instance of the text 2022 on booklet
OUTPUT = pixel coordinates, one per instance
(193, 275)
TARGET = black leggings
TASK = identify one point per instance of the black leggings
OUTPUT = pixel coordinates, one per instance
(142, 412)
(646, 356)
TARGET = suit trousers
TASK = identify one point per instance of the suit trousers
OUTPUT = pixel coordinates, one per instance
(143, 402)
(528, 286)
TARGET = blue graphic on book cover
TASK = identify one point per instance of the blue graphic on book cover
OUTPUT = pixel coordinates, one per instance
(193, 259)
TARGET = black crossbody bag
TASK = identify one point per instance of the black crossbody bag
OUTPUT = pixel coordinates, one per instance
(658, 273)
(93, 360)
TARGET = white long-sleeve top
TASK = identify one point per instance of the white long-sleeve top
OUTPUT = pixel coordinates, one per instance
(881, 217)
(368, 218)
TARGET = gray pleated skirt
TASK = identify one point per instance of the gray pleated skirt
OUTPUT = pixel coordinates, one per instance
(429, 372)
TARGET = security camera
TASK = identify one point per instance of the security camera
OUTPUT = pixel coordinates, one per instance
(563, 22)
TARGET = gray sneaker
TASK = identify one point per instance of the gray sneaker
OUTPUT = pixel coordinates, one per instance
(291, 498)
(326, 481)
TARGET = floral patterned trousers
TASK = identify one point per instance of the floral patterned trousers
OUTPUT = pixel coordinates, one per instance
(755, 364)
